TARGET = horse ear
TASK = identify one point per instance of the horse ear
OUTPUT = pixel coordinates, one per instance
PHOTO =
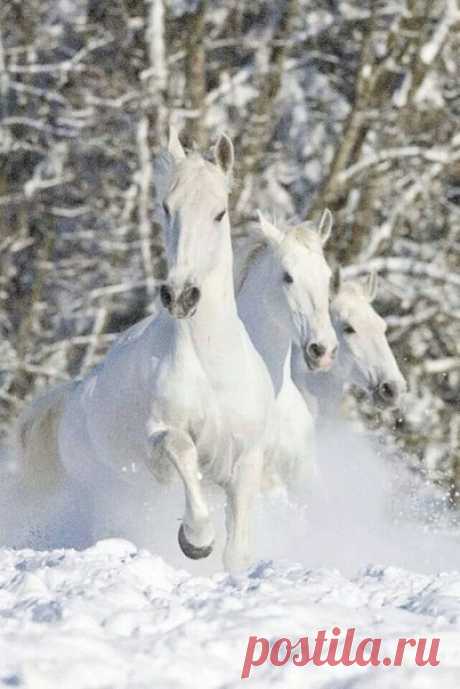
(270, 232)
(336, 281)
(224, 154)
(325, 225)
(174, 145)
(371, 286)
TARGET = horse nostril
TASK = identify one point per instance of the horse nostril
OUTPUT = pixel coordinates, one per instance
(194, 295)
(387, 391)
(166, 296)
(316, 350)
(188, 300)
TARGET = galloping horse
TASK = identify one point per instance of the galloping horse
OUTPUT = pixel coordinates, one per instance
(185, 389)
(284, 302)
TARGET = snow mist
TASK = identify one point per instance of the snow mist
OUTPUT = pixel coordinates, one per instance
(361, 509)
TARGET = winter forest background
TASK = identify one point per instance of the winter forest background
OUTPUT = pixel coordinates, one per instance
(351, 105)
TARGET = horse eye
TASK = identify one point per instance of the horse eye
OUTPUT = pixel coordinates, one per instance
(348, 329)
(219, 216)
(287, 278)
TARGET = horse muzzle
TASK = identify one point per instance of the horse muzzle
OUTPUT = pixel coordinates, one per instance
(387, 394)
(317, 357)
(180, 304)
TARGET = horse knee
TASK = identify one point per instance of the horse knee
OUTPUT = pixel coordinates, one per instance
(174, 448)
(173, 441)
(167, 448)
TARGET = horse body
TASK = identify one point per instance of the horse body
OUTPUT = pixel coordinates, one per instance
(145, 384)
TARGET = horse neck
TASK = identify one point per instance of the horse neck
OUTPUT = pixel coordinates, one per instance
(321, 391)
(327, 388)
(267, 327)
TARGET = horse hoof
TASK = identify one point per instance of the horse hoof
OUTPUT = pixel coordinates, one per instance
(192, 551)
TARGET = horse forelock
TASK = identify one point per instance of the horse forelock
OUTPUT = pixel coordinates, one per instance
(197, 171)
(307, 237)
(352, 299)
(167, 173)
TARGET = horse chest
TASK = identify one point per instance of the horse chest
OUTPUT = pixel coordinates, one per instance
(222, 414)
(221, 410)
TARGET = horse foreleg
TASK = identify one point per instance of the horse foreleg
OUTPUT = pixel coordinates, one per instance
(241, 491)
(196, 533)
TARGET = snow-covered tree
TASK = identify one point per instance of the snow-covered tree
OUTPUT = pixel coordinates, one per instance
(347, 104)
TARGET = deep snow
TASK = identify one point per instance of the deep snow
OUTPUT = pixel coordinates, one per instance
(112, 616)
(374, 550)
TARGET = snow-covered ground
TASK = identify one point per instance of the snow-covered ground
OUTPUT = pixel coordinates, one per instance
(113, 616)
(371, 553)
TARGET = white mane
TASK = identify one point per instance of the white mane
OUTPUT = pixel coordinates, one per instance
(305, 234)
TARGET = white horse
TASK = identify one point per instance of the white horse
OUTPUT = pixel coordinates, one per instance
(183, 390)
(364, 356)
(284, 300)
